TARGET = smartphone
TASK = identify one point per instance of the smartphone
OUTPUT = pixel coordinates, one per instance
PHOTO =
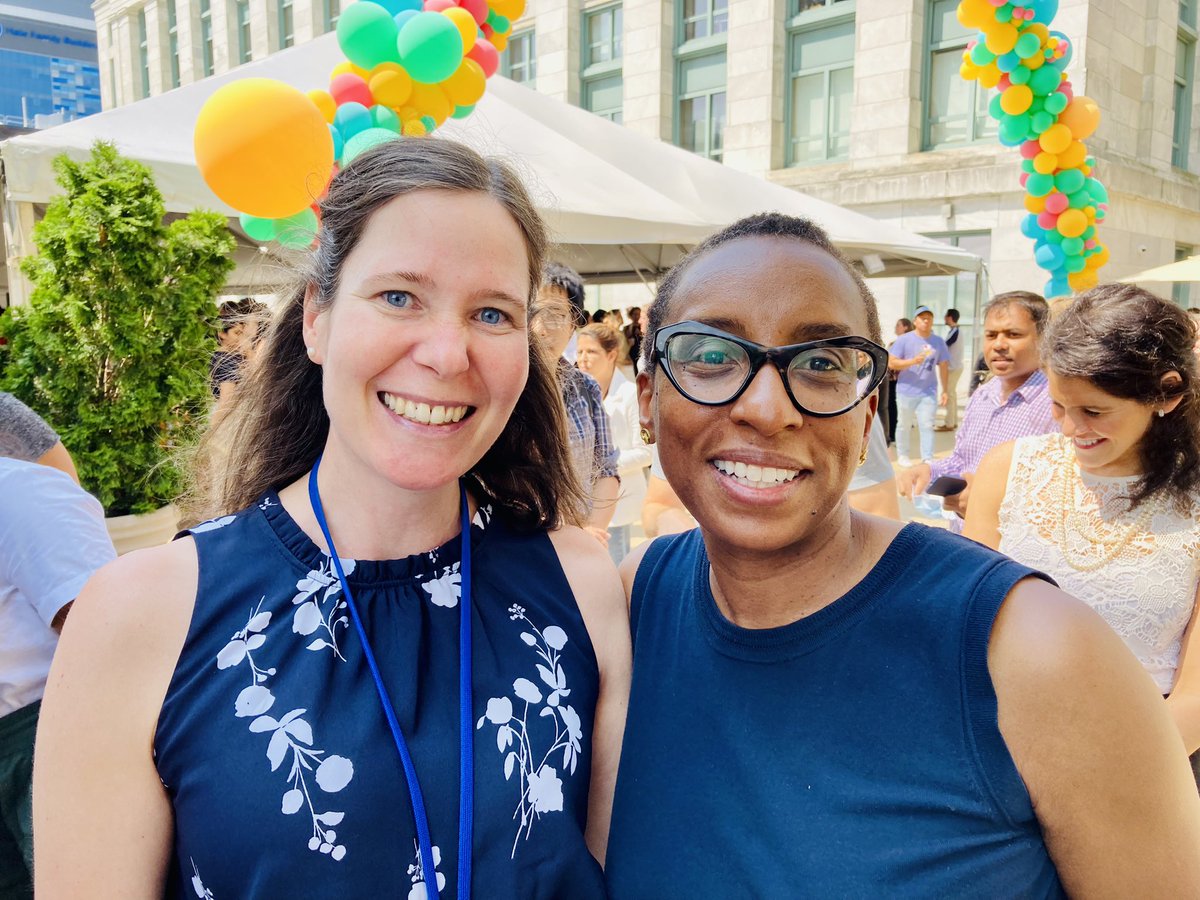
(946, 486)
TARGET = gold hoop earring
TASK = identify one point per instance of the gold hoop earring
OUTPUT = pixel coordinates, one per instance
(862, 457)
(647, 437)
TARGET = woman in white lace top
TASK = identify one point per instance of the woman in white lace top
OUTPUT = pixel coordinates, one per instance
(1110, 507)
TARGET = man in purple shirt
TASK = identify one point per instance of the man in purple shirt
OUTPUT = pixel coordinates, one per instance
(922, 360)
(1013, 404)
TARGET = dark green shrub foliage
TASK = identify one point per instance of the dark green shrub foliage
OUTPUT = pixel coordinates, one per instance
(113, 348)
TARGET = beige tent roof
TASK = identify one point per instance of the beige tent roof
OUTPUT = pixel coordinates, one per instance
(1184, 270)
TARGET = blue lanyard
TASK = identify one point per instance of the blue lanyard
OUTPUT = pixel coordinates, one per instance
(466, 775)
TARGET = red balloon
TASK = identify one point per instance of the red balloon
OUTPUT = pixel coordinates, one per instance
(1030, 149)
(477, 8)
(487, 56)
(349, 88)
(439, 5)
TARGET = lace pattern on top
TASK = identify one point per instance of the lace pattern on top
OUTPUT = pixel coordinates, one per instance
(1138, 569)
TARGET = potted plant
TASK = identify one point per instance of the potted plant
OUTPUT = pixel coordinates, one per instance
(113, 348)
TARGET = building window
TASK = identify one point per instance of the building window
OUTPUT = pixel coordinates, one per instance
(602, 80)
(173, 42)
(700, 77)
(287, 27)
(1181, 291)
(206, 37)
(245, 51)
(143, 52)
(704, 18)
(520, 63)
(821, 83)
(331, 10)
(1187, 13)
(957, 291)
(956, 110)
(1185, 68)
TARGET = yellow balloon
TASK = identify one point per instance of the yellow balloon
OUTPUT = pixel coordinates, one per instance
(324, 102)
(465, 23)
(1017, 99)
(466, 86)
(414, 128)
(1085, 280)
(430, 100)
(1074, 156)
(346, 66)
(1001, 38)
(1035, 205)
(263, 147)
(1045, 163)
(510, 9)
(1096, 260)
(1035, 62)
(1072, 223)
(1082, 116)
(989, 76)
(1039, 29)
(1056, 138)
(976, 14)
(499, 41)
(390, 84)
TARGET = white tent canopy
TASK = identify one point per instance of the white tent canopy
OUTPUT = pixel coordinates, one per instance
(621, 205)
(1182, 271)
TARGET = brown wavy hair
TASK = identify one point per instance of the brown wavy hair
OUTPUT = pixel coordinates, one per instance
(1123, 340)
(606, 336)
(277, 425)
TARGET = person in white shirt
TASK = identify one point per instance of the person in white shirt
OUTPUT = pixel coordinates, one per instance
(52, 538)
(599, 349)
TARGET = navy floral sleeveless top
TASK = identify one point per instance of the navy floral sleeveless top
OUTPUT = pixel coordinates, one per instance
(275, 752)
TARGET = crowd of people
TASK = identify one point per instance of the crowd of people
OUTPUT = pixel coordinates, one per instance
(391, 652)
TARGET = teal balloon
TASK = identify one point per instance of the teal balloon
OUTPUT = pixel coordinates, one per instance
(1045, 81)
(1076, 264)
(1097, 190)
(1014, 129)
(403, 18)
(1072, 246)
(398, 6)
(1089, 233)
(385, 117)
(366, 32)
(430, 124)
(1069, 181)
(1044, 11)
(1004, 13)
(258, 229)
(338, 144)
(1039, 185)
(430, 47)
(1061, 64)
(1056, 103)
(1020, 75)
(1027, 166)
(1007, 62)
(351, 118)
(1040, 121)
(1079, 199)
(1027, 45)
(365, 140)
(995, 109)
(981, 55)
(500, 24)
(1054, 237)
(461, 112)
(297, 231)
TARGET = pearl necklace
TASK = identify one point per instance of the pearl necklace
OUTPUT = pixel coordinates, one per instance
(1081, 523)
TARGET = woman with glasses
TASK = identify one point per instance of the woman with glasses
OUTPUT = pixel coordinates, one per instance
(831, 704)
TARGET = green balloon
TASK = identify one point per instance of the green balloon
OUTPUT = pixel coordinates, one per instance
(366, 32)
(1072, 246)
(1097, 190)
(365, 140)
(1027, 45)
(1089, 233)
(981, 55)
(995, 109)
(461, 112)
(297, 231)
(1054, 237)
(1069, 181)
(258, 229)
(1075, 264)
(385, 117)
(499, 23)
(1079, 199)
(1045, 81)
(1040, 121)
(430, 47)
(1056, 103)
(1027, 166)
(1013, 129)
(430, 124)
(1020, 75)
(1004, 13)
(1039, 185)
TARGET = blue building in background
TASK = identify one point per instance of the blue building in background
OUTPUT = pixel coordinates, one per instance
(49, 71)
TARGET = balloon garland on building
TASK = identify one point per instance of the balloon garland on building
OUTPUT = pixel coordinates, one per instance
(1037, 111)
(269, 150)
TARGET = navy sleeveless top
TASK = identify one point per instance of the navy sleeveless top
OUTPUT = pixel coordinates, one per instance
(275, 752)
(852, 753)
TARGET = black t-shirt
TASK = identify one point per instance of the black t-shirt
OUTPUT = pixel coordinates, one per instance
(225, 367)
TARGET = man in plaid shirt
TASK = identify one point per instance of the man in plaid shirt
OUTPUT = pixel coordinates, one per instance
(558, 312)
(1013, 403)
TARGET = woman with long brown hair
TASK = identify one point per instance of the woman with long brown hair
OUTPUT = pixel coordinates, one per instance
(390, 665)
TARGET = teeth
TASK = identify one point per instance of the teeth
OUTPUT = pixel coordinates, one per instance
(423, 412)
(756, 476)
(1087, 445)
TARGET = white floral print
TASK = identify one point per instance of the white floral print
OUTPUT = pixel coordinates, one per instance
(445, 590)
(320, 606)
(539, 781)
(198, 885)
(211, 524)
(291, 738)
(417, 875)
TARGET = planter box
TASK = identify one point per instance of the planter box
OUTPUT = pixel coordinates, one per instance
(146, 530)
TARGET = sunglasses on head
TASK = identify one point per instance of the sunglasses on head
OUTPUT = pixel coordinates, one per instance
(822, 378)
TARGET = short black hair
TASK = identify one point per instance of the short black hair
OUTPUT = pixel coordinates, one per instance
(568, 279)
(598, 315)
(1034, 304)
(953, 314)
(758, 225)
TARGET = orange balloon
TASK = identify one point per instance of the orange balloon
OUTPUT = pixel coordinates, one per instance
(1016, 99)
(263, 147)
(1072, 223)
(324, 102)
(976, 14)
(390, 84)
(465, 23)
(510, 9)
(1074, 156)
(430, 100)
(1056, 138)
(1082, 116)
(1045, 163)
(1001, 37)
(466, 86)
(989, 76)
(1035, 205)
(1085, 280)
(414, 128)
(499, 41)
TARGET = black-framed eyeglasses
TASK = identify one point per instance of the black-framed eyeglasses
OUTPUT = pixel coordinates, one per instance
(822, 378)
